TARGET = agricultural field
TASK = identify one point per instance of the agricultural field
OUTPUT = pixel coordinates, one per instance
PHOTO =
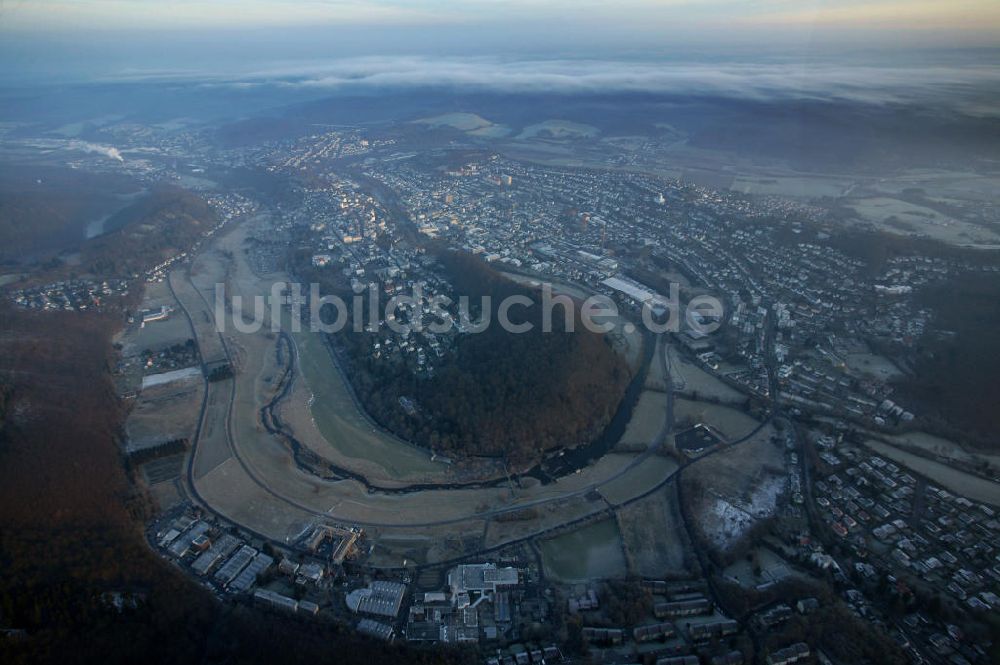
(173, 376)
(656, 377)
(466, 122)
(163, 469)
(641, 478)
(872, 365)
(730, 423)
(941, 186)
(202, 317)
(536, 519)
(213, 446)
(336, 415)
(228, 489)
(691, 380)
(793, 185)
(648, 420)
(424, 546)
(591, 552)
(965, 484)
(559, 129)
(730, 492)
(653, 536)
(942, 448)
(165, 494)
(164, 412)
(10, 278)
(898, 216)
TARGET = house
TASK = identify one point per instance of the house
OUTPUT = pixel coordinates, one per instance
(807, 605)
(790, 654)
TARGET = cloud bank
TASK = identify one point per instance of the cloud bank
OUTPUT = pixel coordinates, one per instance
(970, 86)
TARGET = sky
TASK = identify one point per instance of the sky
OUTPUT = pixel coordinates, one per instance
(101, 38)
(956, 22)
(962, 19)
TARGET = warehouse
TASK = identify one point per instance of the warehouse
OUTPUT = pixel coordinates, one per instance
(221, 549)
(375, 629)
(381, 597)
(230, 569)
(481, 577)
(272, 599)
(248, 577)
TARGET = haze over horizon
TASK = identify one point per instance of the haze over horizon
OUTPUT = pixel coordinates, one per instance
(101, 39)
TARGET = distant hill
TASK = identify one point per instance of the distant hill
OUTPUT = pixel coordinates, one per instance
(825, 135)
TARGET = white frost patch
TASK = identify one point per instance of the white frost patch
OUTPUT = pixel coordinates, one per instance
(729, 519)
(725, 523)
(168, 377)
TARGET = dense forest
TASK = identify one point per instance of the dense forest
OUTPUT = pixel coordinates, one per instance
(158, 226)
(48, 208)
(949, 380)
(71, 529)
(45, 222)
(954, 384)
(498, 393)
(841, 634)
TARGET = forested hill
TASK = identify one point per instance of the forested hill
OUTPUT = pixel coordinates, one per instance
(160, 225)
(71, 530)
(953, 384)
(47, 209)
(502, 393)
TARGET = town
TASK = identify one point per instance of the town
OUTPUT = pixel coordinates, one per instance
(794, 488)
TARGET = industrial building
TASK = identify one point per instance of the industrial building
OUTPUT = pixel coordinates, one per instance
(248, 577)
(236, 563)
(272, 599)
(480, 577)
(375, 629)
(381, 597)
(218, 551)
(182, 544)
